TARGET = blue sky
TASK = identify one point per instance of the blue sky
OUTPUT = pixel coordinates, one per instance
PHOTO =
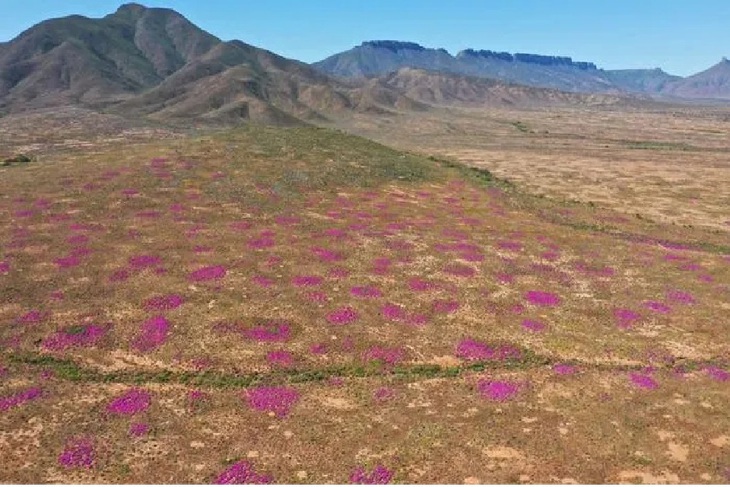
(680, 36)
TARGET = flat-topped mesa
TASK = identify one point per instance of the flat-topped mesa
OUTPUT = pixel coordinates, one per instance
(553, 61)
(394, 45)
(485, 53)
(526, 58)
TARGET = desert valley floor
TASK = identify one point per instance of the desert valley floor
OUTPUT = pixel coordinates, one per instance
(492, 296)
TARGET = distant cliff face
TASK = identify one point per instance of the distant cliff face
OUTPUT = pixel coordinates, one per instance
(378, 58)
(394, 45)
(526, 58)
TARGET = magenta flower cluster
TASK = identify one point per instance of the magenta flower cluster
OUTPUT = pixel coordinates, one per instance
(387, 355)
(471, 349)
(542, 298)
(137, 430)
(626, 317)
(164, 303)
(152, 335)
(81, 336)
(242, 473)
(643, 381)
(139, 262)
(269, 332)
(209, 273)
(132, 402)
(305, 281)
(377, 476)
(498, 390)
(278, 400)
(78, 453)
(343, 316)
(366, 292)
(19, 398)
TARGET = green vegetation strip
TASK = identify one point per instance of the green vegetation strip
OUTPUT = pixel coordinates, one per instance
(69, 370)
(710, 248)
(476, 175)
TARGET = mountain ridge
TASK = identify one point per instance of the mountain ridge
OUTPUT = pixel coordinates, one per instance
(155, 63)
(378, 58)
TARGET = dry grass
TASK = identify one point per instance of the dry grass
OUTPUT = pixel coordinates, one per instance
(668, 165)
(273, 206)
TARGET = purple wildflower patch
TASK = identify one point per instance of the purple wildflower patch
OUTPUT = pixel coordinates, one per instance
(209, 273)
(132, 402)
(387, 355)
(68, 262)
(377, 476)
(76, 336)
(393, 312)
(269, 332)
(338, 273)
(717, 373)
(505, 278)
(471, 349)
(119, 275)
(280, 358)
(343, 316)
(459, 270)
(152, 335)
(626, 318)
(19, 398)
(445, 306)
(164, 303)
(533, 325)
(498, 390)
(305, 281)
(509, 245)
(137, 430)
(4, 266)
(326, 255)
(542, 298)
(518, 309)
(56, 295)
(657, 307)
(316, 297)
(382, 265)
(242, 473)
(278, 400)
(382, 394)
(78, 239)
(32, 317)
(261, 243)
(318, 349)
(78, 453)
(420, 285)
(550, 256)
(195, 398)
(139, 262)
(366, 292)
(241, 226)
(263, 281)
(417, 320)
(564, 369)
(680, 297)
(643, 381)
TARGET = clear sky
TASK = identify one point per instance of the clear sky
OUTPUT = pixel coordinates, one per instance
(680, 36)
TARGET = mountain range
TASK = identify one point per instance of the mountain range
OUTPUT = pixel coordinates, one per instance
(153, 62)
(376, 58)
